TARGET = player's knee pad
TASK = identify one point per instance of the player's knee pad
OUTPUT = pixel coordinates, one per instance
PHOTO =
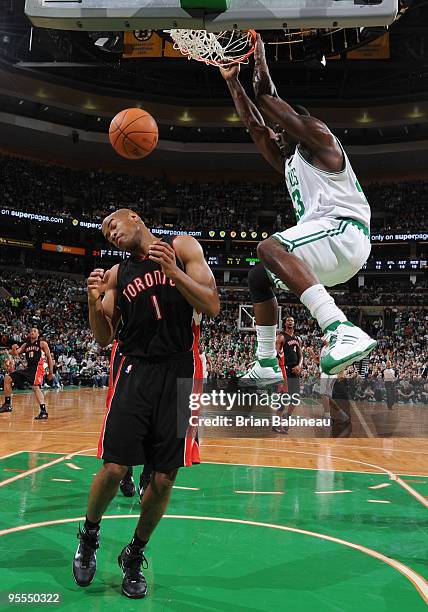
(260, 285)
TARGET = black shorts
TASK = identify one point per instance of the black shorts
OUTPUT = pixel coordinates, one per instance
(141, 421)
(32, 376)
(293, 380)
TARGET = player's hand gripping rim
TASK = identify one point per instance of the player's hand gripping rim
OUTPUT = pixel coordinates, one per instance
(230, 73)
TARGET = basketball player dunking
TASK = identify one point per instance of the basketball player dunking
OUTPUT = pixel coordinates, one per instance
(329, 243)
(158, 294)
(35, 350)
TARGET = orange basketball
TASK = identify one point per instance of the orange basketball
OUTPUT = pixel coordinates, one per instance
(133, 133)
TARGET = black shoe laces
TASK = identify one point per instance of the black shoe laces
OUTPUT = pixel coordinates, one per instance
(89, 544)
(132, 565)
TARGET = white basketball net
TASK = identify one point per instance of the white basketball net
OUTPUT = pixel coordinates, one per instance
(221, 49)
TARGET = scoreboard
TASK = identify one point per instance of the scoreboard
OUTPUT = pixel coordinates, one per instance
(225, 261)
(395, 264)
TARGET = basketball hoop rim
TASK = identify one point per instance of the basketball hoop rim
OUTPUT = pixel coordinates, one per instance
(232, 62)
(241, 59)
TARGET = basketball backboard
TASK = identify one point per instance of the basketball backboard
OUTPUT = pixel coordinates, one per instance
(247, 320)
(212, 15)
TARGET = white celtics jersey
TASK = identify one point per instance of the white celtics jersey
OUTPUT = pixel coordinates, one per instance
(316, 193)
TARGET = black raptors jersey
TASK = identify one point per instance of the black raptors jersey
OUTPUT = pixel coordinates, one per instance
(291, 350)
(157, 321)
(33, 353)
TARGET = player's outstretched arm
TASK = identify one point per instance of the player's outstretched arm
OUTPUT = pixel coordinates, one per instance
(262, 81)
(262, 135)
(17, 351)
(197, 283)
(308, 130)
(103, 312)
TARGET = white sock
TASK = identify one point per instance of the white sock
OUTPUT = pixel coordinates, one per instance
(266, 338)
(321, 306)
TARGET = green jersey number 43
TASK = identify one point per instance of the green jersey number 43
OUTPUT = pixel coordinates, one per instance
(296, 196)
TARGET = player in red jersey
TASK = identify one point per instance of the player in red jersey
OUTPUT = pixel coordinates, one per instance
(35, 351)
(290, 359)
(158, 294)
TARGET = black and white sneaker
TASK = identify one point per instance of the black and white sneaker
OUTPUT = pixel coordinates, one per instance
(6, 408)
(127, 486)
(42, 416)
(130, 560)
(85, 559)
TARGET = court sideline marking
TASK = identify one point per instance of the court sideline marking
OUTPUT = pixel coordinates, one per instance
(416, 579)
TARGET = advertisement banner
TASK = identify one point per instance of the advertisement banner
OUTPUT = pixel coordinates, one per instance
(374, 50)
(15, 242)
(201, 234)
(142, 43)
(60, 248)
(169, 50)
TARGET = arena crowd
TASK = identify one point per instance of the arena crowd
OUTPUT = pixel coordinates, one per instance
(56, 304)
(63, 192)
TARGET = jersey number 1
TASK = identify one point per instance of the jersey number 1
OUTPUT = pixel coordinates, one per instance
(158, 312)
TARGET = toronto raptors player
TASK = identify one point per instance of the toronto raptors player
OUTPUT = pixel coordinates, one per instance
(158, 294)
(290, 355)
(290, 359)
(36, 351)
